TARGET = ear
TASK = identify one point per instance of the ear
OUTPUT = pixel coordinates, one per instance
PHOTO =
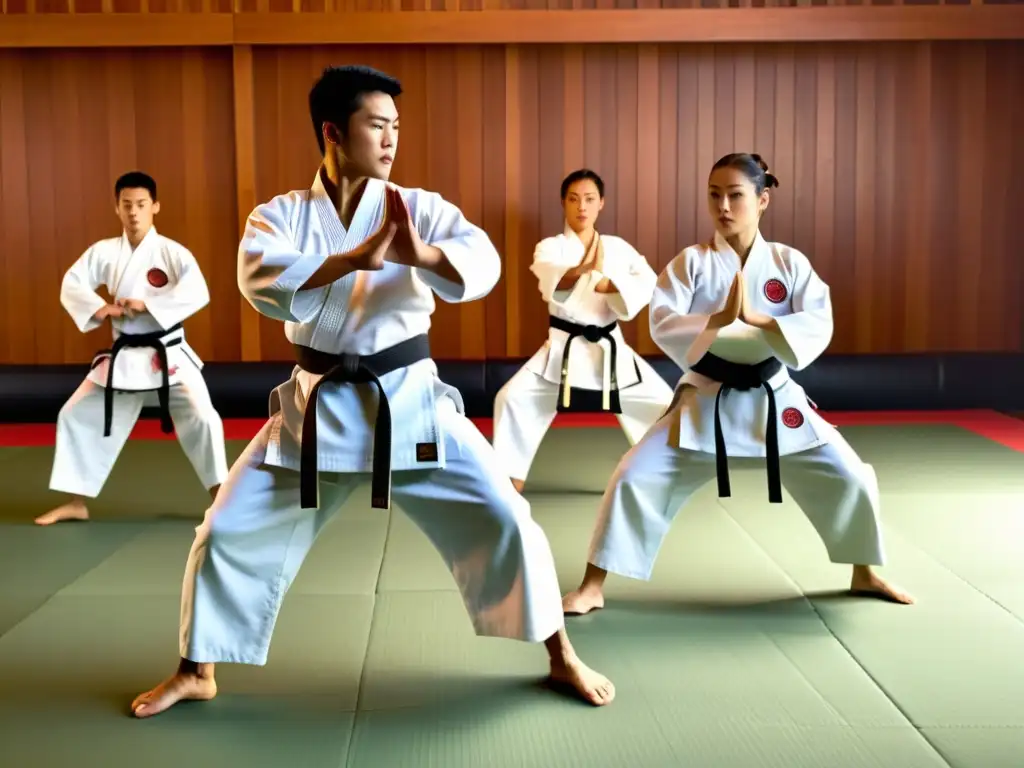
(156, 207)
(600, 205)
(331, 134)
(762, 203)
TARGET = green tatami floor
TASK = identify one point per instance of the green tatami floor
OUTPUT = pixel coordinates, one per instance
(742, 652)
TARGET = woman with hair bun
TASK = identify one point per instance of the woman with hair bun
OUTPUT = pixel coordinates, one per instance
(736, 314)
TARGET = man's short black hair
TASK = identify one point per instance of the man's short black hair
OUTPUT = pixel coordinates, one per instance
(135, 180)
(339, 92)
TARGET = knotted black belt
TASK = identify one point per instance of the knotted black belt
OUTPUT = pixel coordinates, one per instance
(744, 377)
(152, 341)
(587, 400)
(354, 369)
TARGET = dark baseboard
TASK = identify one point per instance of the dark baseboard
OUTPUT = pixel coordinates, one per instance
(34, 394)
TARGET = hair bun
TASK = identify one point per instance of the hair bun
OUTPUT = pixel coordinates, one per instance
(760, 161)
(770, 180)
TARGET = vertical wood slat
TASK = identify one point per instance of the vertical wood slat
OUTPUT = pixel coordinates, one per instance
(245, 176)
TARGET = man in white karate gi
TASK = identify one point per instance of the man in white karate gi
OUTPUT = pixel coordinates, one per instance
(155, 285)
(736, 314)
(351, 266)
(590, 282)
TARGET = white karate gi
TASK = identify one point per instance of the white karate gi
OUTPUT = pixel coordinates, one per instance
(836, 490)
(525, 407)
(165, 276)
(255, 537)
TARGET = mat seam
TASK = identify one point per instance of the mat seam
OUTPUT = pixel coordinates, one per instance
(835, 637)
(369, 641)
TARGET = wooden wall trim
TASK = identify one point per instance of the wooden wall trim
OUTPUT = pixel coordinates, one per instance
(704, 25)
(116, 30)
(687, 25)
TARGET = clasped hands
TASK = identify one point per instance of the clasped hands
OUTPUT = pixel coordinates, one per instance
(396, 240)
(737, 307)
(121, 308)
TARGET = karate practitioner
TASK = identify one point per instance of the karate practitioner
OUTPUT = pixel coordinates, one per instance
(155, 284)
(590, 282)
(351, 267)
(735, 314)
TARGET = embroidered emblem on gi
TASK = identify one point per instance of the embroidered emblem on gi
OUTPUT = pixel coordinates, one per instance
(171, 370)
(157, 277)
(775, 291)
(792, 418)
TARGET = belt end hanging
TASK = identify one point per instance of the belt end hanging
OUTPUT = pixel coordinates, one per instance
(380, 491)
(309, 490)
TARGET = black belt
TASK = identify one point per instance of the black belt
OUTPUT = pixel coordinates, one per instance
(587, 400)
(354, 369)
(745, 377)
(141, 341)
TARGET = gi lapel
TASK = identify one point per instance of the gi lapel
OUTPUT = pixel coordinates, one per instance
(130, 265)
(339, 240)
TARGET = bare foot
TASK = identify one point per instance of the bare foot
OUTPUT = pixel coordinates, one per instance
(73, 510)
(582, 601)
(867, 583)
(181, 686)
(591, 686)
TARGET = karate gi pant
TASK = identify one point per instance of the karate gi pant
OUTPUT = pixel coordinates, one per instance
(835, 489)
(84, 458)
(249, 549)
(525, 407)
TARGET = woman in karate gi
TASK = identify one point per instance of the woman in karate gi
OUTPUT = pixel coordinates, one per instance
(735, 314)
(155, 285)
(590, 282)
(351, 266)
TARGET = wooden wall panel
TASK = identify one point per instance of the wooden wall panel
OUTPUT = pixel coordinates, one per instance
(896, 162)
(70, 123)
(900, 169)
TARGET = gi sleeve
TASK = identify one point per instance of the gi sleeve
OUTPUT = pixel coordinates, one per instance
(272, 270)
(78, 290)
(550, 263)
(682, 336)
(188, 295)
(634, 281)
(807, 331)
(466, 246)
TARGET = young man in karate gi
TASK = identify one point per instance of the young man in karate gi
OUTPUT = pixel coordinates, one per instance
(351, 266)
(735, 315)
(156, 285)
(590, 282)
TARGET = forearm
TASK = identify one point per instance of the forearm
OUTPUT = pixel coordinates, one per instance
(437, 263)
(334, 268)
(570, 278)
(766, 323)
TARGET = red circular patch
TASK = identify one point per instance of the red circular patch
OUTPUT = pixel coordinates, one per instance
(775, 291)
(792, 418)
(157, 278)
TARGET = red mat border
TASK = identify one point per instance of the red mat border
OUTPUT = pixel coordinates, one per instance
(992, 425)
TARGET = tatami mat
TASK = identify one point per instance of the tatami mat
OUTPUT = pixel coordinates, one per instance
(740, 653)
